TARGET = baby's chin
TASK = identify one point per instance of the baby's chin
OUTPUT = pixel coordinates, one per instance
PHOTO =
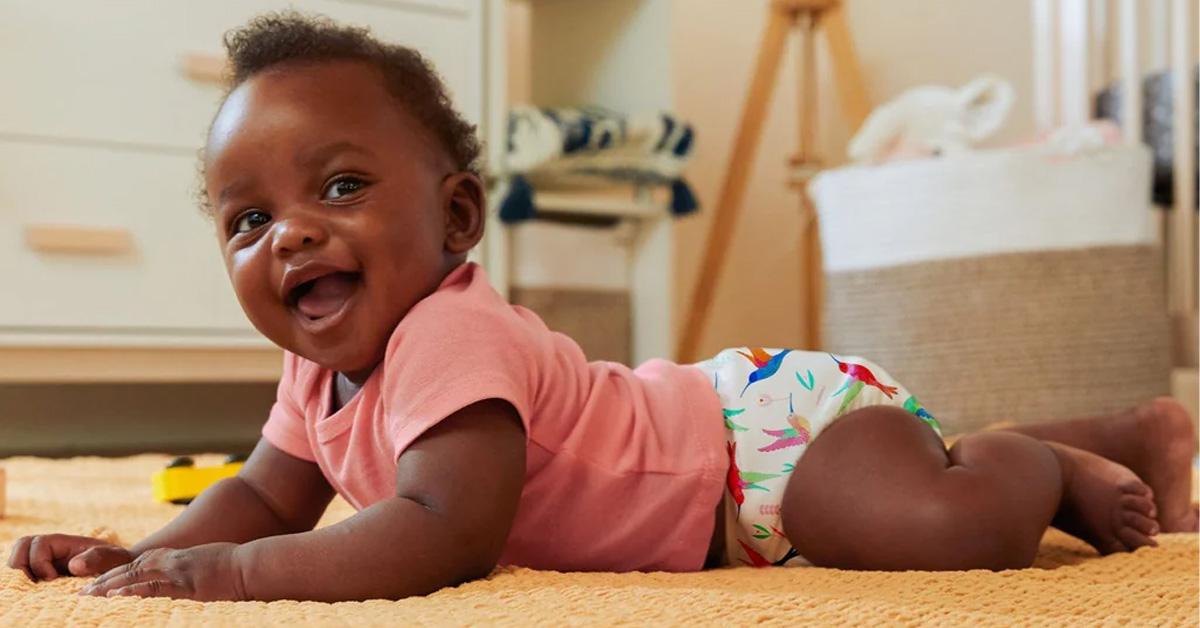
(350, 353)
(353, 358)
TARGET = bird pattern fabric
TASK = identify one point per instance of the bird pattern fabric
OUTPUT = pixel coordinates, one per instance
(774, 403)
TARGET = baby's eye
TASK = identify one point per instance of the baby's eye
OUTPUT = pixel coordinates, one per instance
(344, 186)
(250, 221)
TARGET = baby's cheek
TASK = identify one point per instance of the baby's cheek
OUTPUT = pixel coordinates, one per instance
(258, 298)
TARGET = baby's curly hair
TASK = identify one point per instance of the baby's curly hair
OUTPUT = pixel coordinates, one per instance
(284, 37)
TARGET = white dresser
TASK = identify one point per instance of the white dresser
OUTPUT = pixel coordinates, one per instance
(110, 271)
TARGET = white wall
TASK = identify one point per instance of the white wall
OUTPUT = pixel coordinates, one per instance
(612, 53)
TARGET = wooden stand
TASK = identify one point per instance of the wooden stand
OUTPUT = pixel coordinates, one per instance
(785, 16)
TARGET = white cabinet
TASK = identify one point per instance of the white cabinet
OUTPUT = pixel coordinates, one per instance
(100, 129)
(168, 279)
(109, 71)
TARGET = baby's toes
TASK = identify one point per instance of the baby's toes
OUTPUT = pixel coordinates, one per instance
(1135, 486)
(1141, 523)
(1134, 539)
(1142, 504)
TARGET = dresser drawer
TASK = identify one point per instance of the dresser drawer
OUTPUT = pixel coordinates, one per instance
(154, 266)
(110, 71)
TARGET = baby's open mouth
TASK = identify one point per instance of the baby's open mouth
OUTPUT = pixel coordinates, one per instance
(325, 295)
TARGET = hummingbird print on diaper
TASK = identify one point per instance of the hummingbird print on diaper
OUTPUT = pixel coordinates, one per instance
(765, 364)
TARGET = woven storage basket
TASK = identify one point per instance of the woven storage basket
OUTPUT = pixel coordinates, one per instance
(999, 285)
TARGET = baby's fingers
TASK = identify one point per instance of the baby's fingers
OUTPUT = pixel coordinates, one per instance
(159, 587)
(19, 558)
(118, 577)
(98, 560)
(41, 558)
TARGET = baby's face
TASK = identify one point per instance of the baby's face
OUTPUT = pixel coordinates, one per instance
(328, 200)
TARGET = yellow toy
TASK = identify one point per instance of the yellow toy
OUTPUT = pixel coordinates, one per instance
(182, 480)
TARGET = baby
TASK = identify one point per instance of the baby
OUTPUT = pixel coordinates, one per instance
(346, 197)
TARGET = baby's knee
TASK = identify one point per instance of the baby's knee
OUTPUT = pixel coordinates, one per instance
(1020, 468)
(967, 520)
(884, 494)
(975, 531)
(1006, 487)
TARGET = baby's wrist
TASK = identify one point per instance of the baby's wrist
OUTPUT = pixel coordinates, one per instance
(241, 562)
(134, 550)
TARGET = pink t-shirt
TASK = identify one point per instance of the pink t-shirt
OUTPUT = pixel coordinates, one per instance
(624, 468)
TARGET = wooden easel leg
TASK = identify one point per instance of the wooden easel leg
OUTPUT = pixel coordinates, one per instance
(733, 187)
(847, 73)
(852, 95)
(806, 93)
(814, 277)
(830, 17)
(810, 239)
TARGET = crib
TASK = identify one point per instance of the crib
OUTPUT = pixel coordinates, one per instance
(1087, 47)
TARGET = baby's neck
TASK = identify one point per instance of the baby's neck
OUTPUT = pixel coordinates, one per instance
(344, 389)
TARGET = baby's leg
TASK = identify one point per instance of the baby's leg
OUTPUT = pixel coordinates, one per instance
(878, 490)
(1156, 440)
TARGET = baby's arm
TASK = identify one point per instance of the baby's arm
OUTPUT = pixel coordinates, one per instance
(274, 493)
(457, 489)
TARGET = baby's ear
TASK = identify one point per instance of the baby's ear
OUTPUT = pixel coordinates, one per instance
(463, 206)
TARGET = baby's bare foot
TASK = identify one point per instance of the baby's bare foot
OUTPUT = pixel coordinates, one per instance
(1104, 503)
(1164, 459)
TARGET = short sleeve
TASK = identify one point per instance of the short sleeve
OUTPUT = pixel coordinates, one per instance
(454, 350)
(285, 426)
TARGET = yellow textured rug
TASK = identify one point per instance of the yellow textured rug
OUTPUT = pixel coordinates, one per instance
(1068, 586)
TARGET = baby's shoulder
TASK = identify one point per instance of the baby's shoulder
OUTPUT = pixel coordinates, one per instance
(467, 311)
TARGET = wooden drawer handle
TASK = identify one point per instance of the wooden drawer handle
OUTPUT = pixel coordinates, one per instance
(78, 240)
(205, 68)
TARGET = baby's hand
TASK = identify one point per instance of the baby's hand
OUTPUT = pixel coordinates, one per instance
(48, 556)
(205, 573)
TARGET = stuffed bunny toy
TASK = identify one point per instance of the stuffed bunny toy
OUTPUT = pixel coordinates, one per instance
(933, 120)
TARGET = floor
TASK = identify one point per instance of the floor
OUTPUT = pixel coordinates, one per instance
(121, 419)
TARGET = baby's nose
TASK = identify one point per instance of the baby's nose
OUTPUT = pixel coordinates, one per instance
(297, 234)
